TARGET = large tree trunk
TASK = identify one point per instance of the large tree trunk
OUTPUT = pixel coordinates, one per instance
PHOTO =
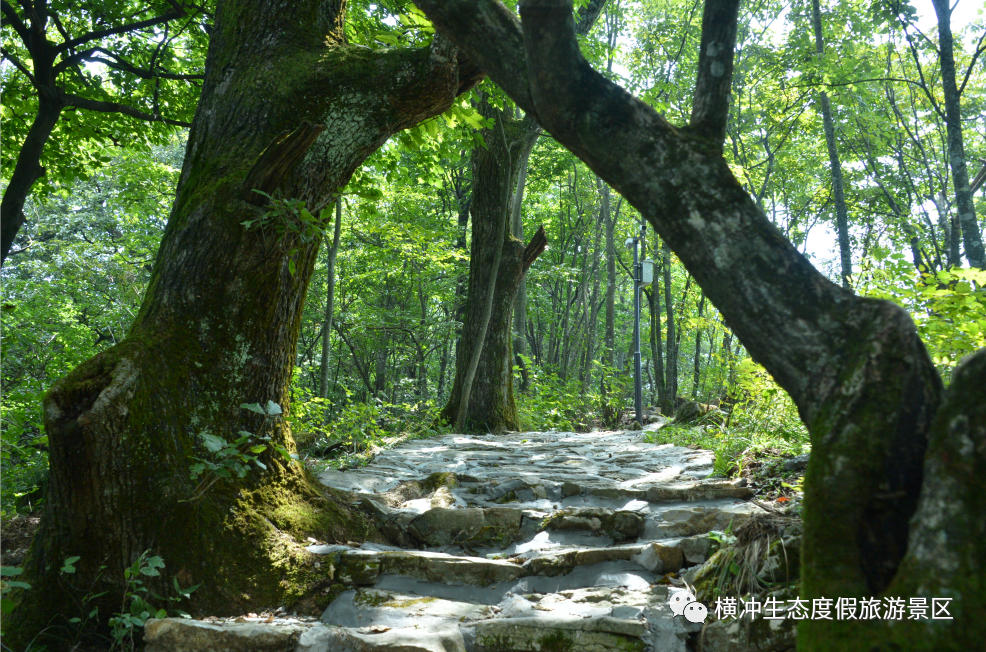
(491, 406)
(219, 326)
(855, 367)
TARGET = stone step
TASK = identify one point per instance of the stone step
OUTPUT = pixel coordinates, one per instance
(553, 632)
(363, 567)
(369, 607)
(181, 635)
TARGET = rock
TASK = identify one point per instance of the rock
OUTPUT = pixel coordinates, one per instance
(693, 411)
(472, 526)
(659, 558)
(375, 508)
(756, 635)
(343, 639)
(442, 498)
(570, 489)
(696, 549)
(180, 635)
(448, 569)
(798, 463)
(367, 607)
(619, 525)
(562, 634)
(496, 492)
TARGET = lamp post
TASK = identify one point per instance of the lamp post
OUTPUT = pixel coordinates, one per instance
(643, 275)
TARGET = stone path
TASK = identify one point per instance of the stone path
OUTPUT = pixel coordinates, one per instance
(547, 542)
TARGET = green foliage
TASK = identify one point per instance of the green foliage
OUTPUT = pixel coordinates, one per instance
(233, 459)
(7, 585)
(86, 143)
(136, 607)
(949, 307)
(761, 416)
(289, 221)
(556, 404)
(72, 293)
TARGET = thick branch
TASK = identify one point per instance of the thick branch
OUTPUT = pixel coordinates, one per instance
(498, 30)
(710, 106)
(277, 161)
(114, 107)
(535, 248)
(17, 64)
(15, 21)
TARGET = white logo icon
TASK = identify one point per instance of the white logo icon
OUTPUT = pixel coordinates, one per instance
(683, 603)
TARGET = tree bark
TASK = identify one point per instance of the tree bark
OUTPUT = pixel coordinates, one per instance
(861, 378)
(330, 266)
(835, 165)
(671, 382)
(698, 351)
(517, 230)
(218, 327)
(489, 404)
(971, 235)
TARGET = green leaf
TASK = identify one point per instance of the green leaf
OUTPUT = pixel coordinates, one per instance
(259, 448)
(161, 613)
(213, 443)
(273, 408)
(253, 407)
(10, 571)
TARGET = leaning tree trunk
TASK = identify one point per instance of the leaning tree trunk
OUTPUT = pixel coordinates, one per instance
(855, 367)
(491, 406)
(288, 107)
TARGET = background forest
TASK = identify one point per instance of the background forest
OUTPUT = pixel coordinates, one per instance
(382, 321)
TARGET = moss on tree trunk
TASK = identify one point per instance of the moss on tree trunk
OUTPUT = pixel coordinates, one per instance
(219, 327)
(491, 399)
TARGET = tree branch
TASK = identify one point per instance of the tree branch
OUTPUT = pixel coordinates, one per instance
(15, 21)
(17, 64)
(980, 48)
(534, 248)
(122, 29)
(710, 103)
(114, 107)
(498, 29)
(118, 63)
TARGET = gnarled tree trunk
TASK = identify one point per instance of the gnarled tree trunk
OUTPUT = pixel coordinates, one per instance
(288, 107)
